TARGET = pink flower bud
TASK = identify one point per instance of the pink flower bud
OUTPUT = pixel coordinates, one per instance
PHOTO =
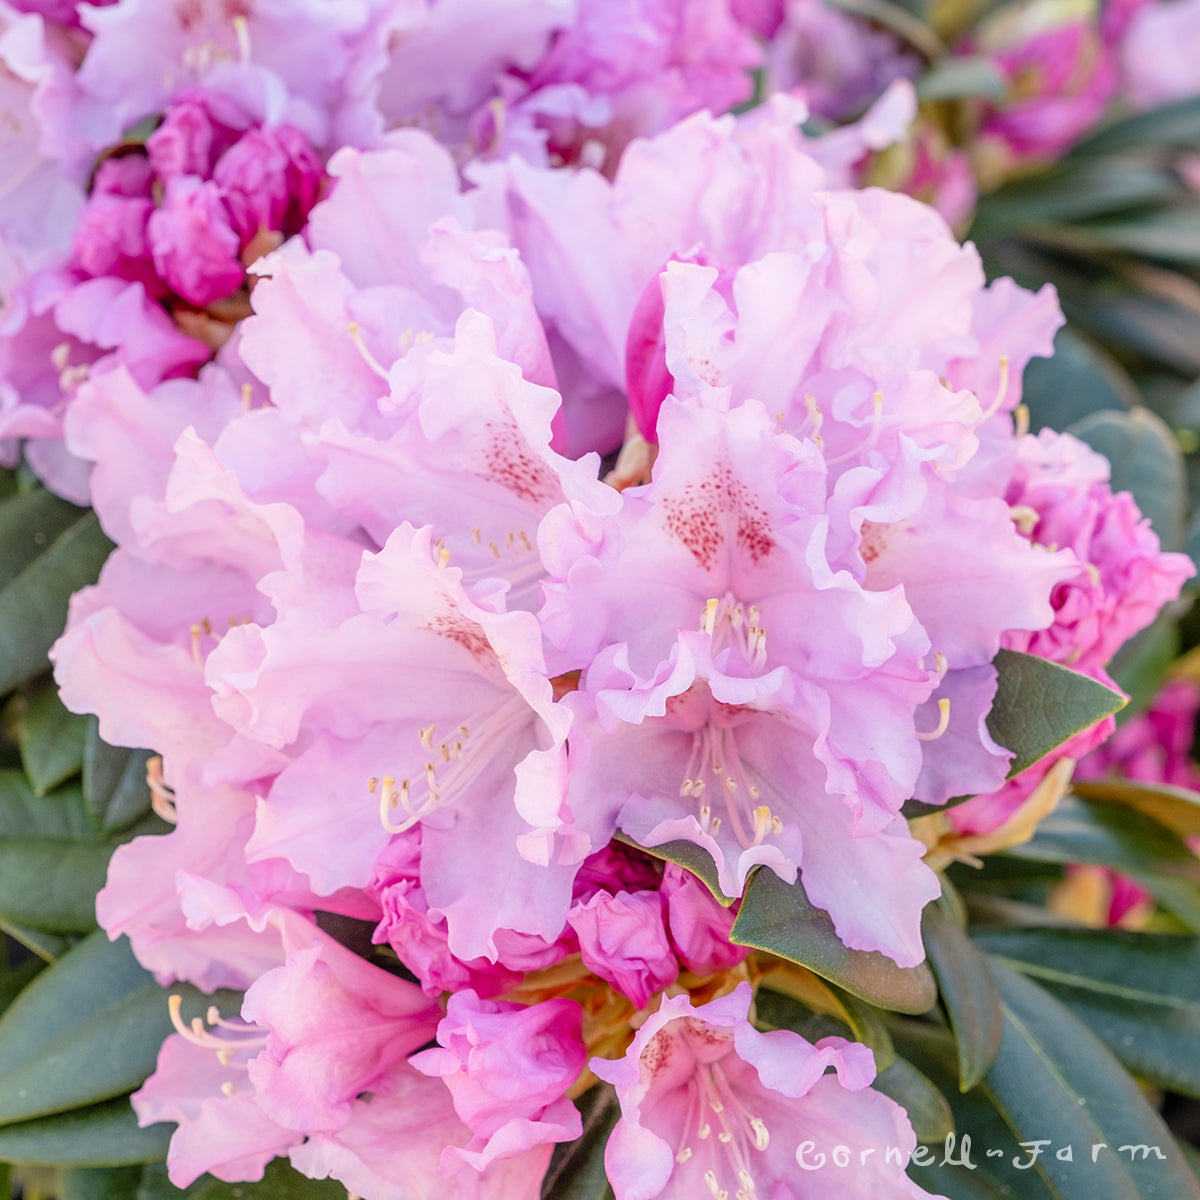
(195, 250)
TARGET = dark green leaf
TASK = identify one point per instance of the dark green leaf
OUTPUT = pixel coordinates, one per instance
(1140, 666)
(98, 1183)
(1168, 234)
(1073, 190)
(51, 738)
(24, 814)
(280, 1182)
(1138, 992)
(1053, 1079)
(87, 1028)
(1146, 461)
(29, 523)
(49, 947)
(778, 917)
(576, 1170)
(1039, 705)
(14, 981)
(114, 782)
(105, 1135)
(1076, 380)
(927, 1108)
(1172, 125)
(775, 1010)
(1150, 325)
(51, 884)
(971, 999)
(1191, 1156)
(33, 605)
(690, 857)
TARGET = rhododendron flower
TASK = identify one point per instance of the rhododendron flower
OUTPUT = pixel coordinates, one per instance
(1158, 50)
(508, 1068)
(711, 1106)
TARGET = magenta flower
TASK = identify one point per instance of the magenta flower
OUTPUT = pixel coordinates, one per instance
(508, 1067)
(622, 938)
(195, 249)
(712, 1107)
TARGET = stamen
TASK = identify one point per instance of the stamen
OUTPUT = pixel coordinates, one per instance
(710, 1178)
(876, 422)
(1001, 391)
(443, 558)
(372, 784)
(357, 338)
(943, 722)
(1025, 518)
(197, 657)
(247, 396)
(241, 30)
(818, 419)
(1021, 420)
(940, 665)
(162, 798)
(709, 617)
(762, 1137)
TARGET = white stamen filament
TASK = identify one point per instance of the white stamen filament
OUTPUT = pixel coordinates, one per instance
(464, 756)
(943, 722)
(876, 422)
(1001, 391)
(714, 751)
(364, 350)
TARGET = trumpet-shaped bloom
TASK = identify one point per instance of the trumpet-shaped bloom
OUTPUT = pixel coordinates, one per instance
(711, 1106)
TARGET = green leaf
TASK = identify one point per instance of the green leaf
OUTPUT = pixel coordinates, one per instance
(969, 993)
(1078, 379)
(1171, 125)
(114, 782)
(1176, 808)
(25, 814)
(778, 917)
(1039, 705)
(14, 981)
(1053, 1079)
(33, 604)
(29, 523)
(689, 856)
(1169, 234)
(927, 1108)
(51, 738)
(104, 1135)
(98, 1183)
(281, 1181)
(1073, 190)
(1158, 328)
(953, 78)
(84, 1030)
(51, 883)
(1081, 832)
(1140, 665)
(1146, 461)
(576, 1170)
(47, 946)
(1138, 992)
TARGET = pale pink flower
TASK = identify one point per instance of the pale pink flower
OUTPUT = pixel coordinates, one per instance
(1158, 53)
(709, 1105)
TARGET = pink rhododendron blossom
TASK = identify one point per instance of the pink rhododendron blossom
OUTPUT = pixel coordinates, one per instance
(1158, 52)
(709, 1104)
(698, 924)
(508, 1068)
(622, 939)
(194, 247)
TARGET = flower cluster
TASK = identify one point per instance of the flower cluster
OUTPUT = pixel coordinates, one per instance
(524, 482)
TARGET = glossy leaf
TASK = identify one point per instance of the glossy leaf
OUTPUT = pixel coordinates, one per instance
(1053, 1079)
(1146, 461)
(104, 1135)
(84, 1030)
(1138, 992)
(968, 992)
(29, 523)
(778, 917)
(1170, 234)
(49, 947)
(1039, 705)
(1171, 125)
(50, 737)
(114, 782)
(50, 883)
(954, 77)
(927, 1108)
(14, 980)
(280, 1181)
(576, 1170)
(33, 604)
(1078, 379)
(690, 857)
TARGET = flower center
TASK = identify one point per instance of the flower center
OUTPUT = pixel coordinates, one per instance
(233, 1042)
(715, 761)
(452, 764)
(729, 623)
(722, 1135)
